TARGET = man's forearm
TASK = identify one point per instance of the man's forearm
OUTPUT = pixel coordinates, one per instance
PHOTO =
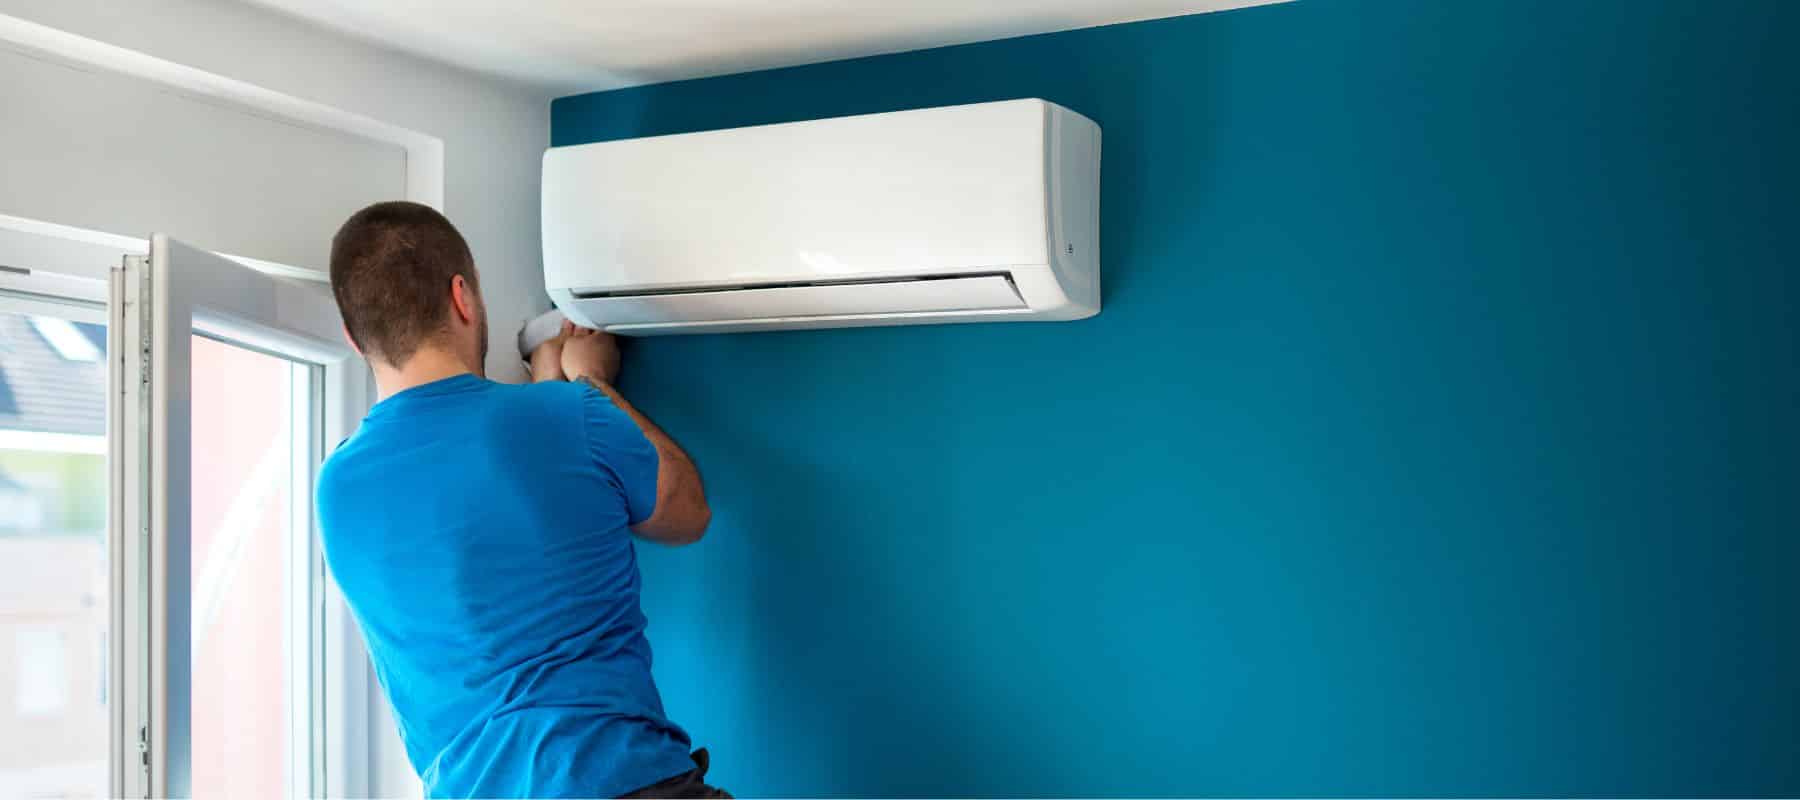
(681, 512)
(546, 363)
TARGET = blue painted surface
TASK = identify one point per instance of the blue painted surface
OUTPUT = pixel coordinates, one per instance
(1438, 435)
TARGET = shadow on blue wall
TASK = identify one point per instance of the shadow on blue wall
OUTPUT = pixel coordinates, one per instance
(1438, 435)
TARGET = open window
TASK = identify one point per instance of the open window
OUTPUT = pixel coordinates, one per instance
(233, 382)
(162, 422)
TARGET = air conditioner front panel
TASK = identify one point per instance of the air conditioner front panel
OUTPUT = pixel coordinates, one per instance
(939, 190)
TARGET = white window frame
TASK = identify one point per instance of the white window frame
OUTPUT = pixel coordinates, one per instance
(52, 267)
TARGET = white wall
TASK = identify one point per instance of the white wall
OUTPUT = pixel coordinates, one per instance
(493, 133)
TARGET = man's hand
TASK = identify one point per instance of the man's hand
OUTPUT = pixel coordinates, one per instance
(590, 354)
(546, 360)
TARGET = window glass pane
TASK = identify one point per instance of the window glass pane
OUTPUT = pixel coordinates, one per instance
(53, 571)
(246, 450)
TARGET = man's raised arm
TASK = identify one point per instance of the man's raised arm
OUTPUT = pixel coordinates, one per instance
(681, 513)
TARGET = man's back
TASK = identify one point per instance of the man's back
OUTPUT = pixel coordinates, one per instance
(480, 532)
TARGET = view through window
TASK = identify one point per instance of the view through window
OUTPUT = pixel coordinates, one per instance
(53, 560)
(246, 447)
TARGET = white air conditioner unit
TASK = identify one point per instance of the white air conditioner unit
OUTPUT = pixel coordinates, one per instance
(961, 214)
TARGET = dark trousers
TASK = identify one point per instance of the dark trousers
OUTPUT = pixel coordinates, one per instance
(688, 784)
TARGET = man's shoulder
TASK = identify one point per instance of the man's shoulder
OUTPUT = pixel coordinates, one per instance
(492, 402)
(343, 466)
(517, 412)
(540, 392)
(575, 401)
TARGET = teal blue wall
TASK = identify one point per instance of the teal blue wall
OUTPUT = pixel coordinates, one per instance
(1439, 434)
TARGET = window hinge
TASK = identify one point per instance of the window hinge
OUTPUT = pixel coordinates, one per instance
(144, 353)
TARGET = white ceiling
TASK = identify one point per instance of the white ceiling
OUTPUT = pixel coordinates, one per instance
(585, 45)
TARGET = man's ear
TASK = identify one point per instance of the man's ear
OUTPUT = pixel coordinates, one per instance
(350, 340)
(462, 299)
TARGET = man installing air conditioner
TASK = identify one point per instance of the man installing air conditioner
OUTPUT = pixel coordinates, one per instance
(482, 534)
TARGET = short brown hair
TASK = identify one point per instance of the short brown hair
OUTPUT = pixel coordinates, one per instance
(391, 267)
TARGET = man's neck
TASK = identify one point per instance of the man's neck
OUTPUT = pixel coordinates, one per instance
(428, 365)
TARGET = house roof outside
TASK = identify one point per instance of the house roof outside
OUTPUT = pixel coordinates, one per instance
(41, 390)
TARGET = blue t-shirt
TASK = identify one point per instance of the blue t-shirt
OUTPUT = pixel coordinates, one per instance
(479, 533)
